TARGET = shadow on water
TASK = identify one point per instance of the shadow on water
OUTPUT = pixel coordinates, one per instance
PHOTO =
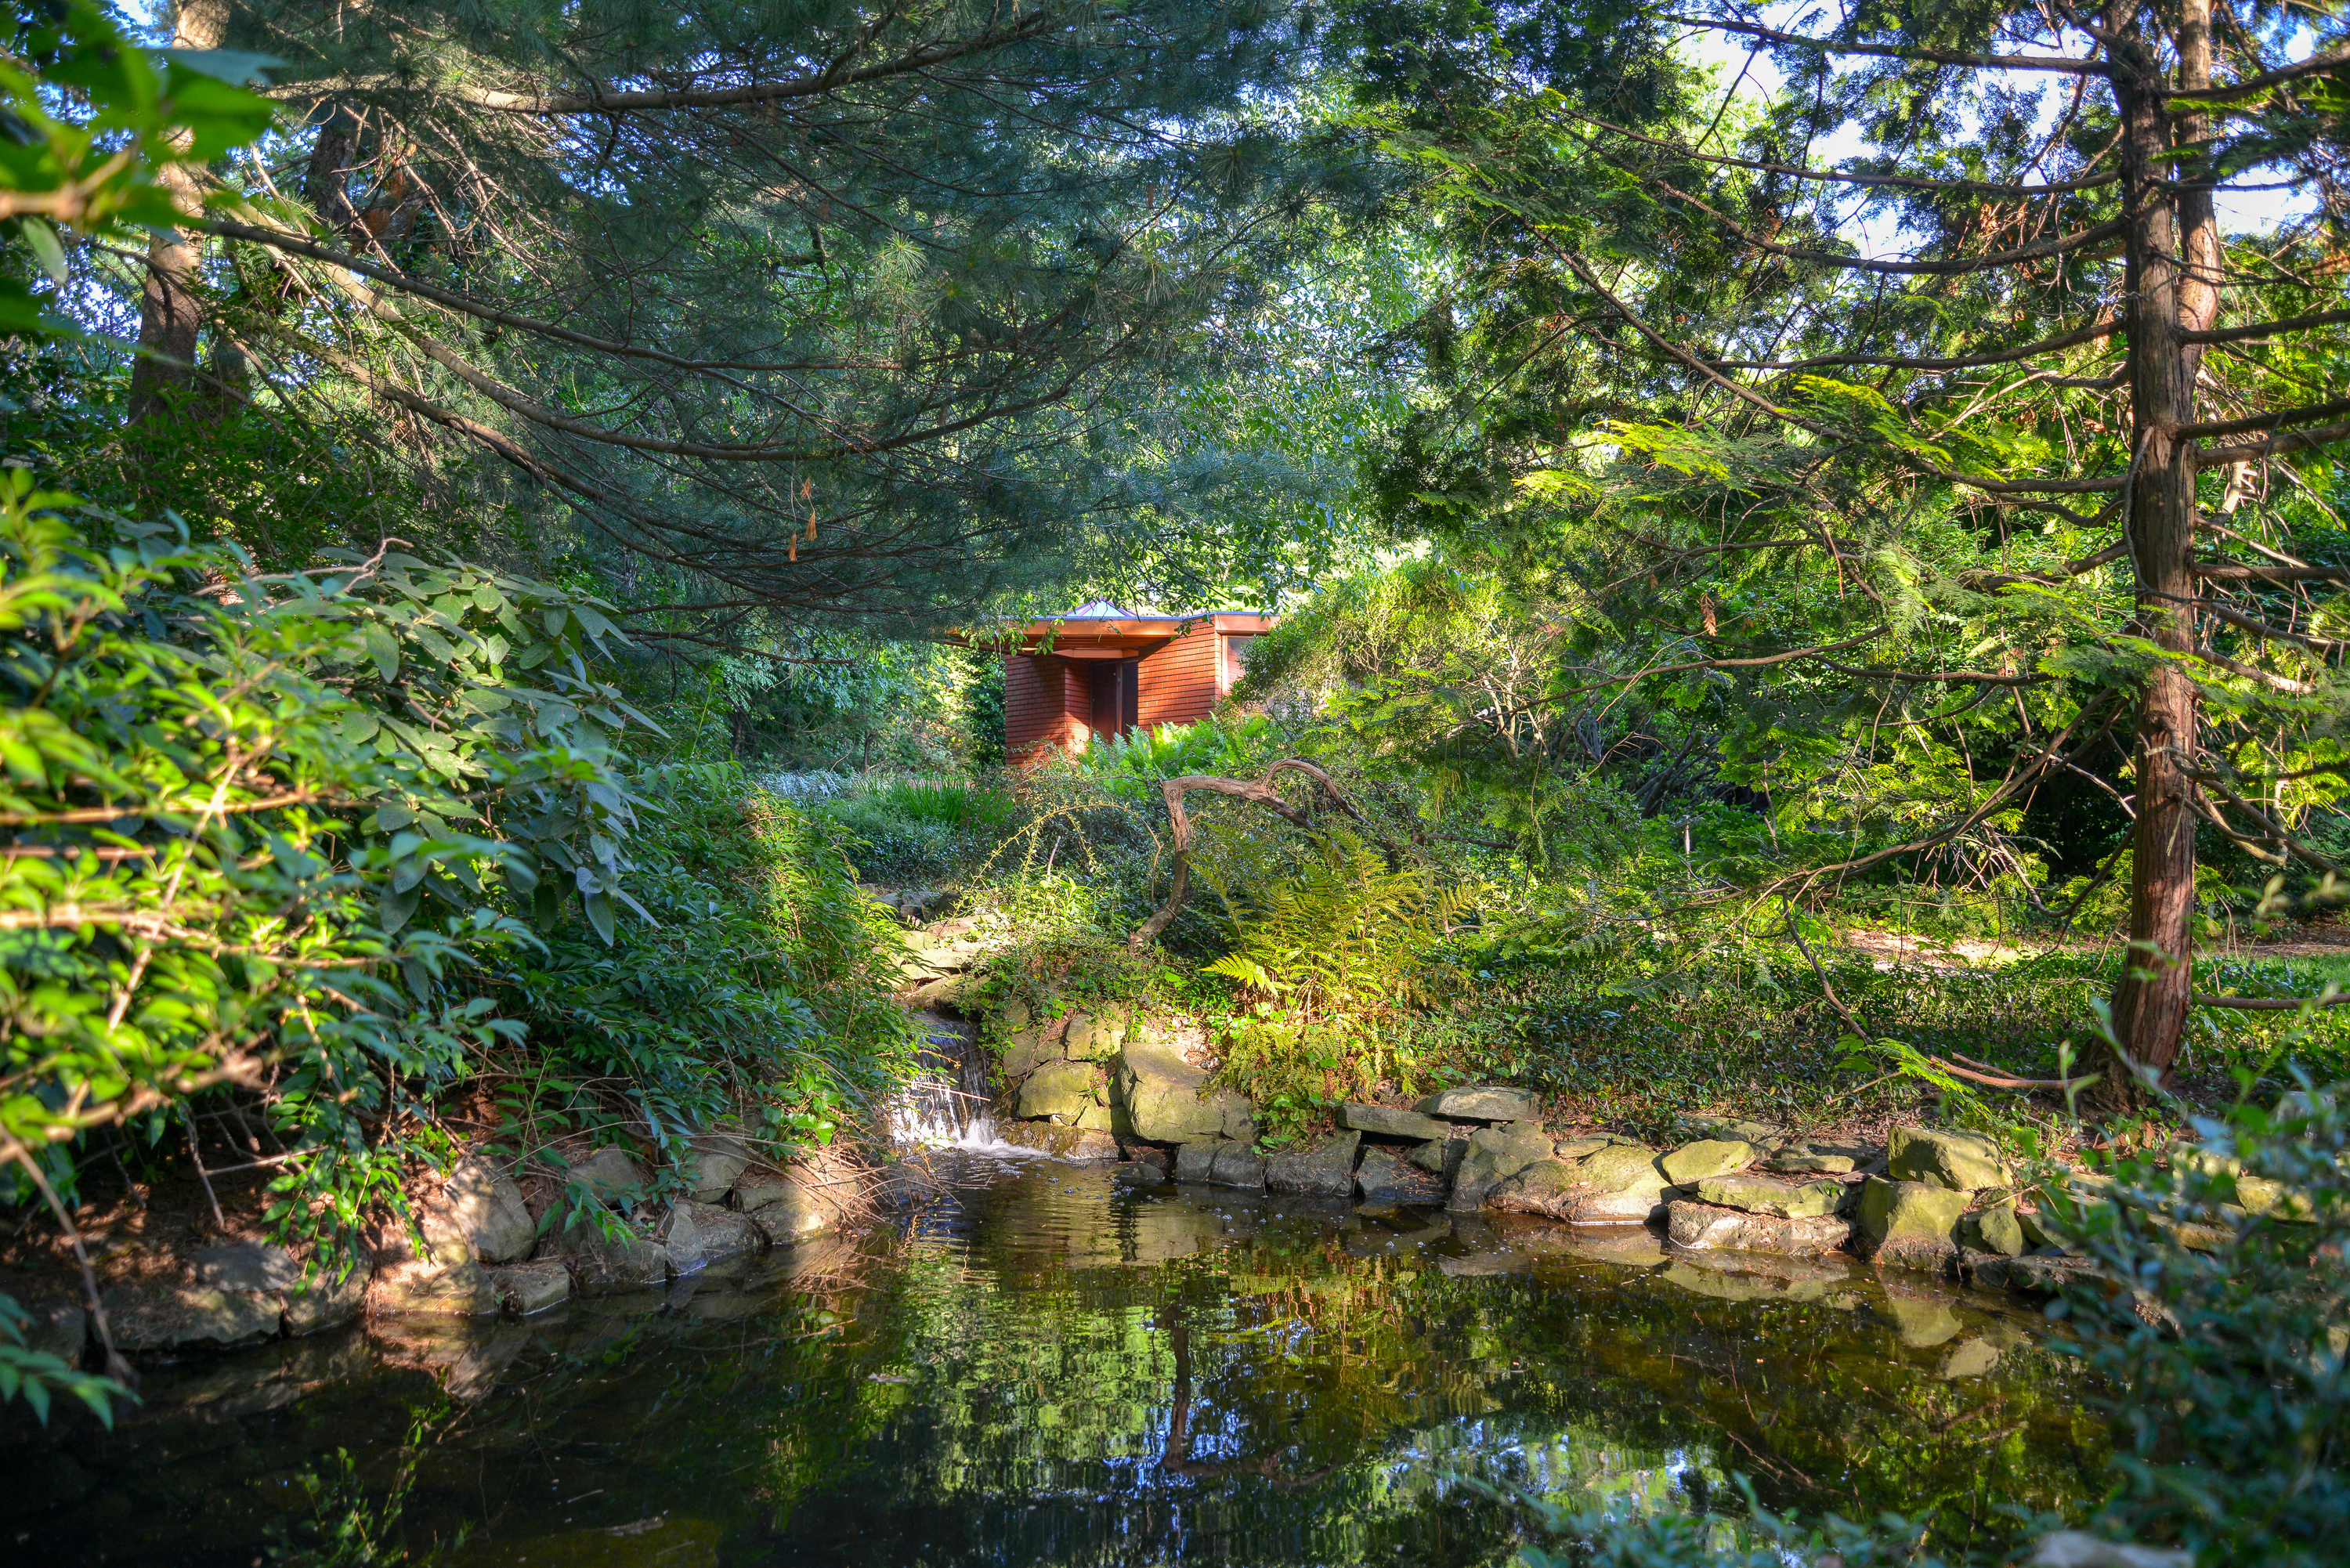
(1052, 1369)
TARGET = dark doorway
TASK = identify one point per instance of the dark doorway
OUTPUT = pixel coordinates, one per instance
(1115, 689)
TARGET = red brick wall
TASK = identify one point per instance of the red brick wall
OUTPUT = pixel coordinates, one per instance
(1044, 704)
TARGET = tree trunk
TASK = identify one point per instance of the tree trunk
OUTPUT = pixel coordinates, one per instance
(169, 313)
(2172, 287)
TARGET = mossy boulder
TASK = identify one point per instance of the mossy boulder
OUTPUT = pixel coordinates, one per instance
(1495, 1154)
(1619, 1185)
(1708, 1227)
(1059, 1093)
(1956, 1161)
(1325, 1170)
(1909, 1224)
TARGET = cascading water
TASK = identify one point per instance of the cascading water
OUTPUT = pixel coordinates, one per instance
(946, 1105)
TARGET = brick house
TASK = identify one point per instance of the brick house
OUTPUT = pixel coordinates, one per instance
(1103, 671)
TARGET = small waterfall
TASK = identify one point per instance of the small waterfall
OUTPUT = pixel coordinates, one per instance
(947, 1105)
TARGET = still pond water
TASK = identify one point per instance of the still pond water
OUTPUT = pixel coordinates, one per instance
(1054, 1369)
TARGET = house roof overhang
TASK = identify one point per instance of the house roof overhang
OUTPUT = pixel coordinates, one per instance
(1083, 636)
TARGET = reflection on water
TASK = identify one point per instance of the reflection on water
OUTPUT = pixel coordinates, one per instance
(1056, 1370)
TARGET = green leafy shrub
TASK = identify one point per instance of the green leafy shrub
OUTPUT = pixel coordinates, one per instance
(921, 830)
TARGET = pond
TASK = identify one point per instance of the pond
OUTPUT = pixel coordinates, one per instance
(1047, 1367)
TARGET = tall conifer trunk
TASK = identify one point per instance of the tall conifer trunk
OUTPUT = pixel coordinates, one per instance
(2172, 289)
(168, 315)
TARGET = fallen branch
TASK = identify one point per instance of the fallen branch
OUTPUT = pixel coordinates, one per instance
(1260, 790)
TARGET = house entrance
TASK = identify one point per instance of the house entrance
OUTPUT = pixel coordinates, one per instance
(1115, 689)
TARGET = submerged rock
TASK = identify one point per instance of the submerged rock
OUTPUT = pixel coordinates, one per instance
(1615, 1186)
(1494, 1154)
(1325, 1170)
(1481, 1104)
(1960, 1162)
(1760, 1195)
(1704, 1226)
(1390, 1121)
(1384, 1178)
(1969, 1358)
(1692, 1162)
(1907, 1223)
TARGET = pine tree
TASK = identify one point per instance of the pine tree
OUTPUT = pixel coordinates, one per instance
(1944, 514)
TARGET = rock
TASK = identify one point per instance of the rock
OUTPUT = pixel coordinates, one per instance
(712, 1163)
(247, 1266)
(1096, 1037)
(1760, 1195)
(782, 1209)
(1907, 1223)
(2038, 1227)
(1390, 1121)
(427, 1287)
(488, 1208)
(611, 1177)
(2079, 1549)
(1386, 1178)
(1163, 1097)
(1969, 1358)
(1325, 1170)
(945, 992)
(1703, 1227)
(1761, 1135)
(1806, 1162)
(2035, 1275)
(1615, 1186)
(1959, 1162)
(1692, 1162)
(1059, 1093)
(526, 1288)
(1494, 1154)
(336, 1294)
(1027, 1051)
(1485, 1103)
(1136, 1173)
(2001, 1230)
(59, 1328)
(1193, 1161)
(1440, 1157)
(1060, 1142)
(699, 1235)
(1237, 1165)
(619, 1259)
(1013, 1015)
(1095, 1117)
(2274, 1200)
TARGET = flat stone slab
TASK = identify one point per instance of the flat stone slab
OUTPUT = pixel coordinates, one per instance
(1779, 1199)
(1693, 1162)
(1390, 1121)
(1481, 1103)
(1705, 1227)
